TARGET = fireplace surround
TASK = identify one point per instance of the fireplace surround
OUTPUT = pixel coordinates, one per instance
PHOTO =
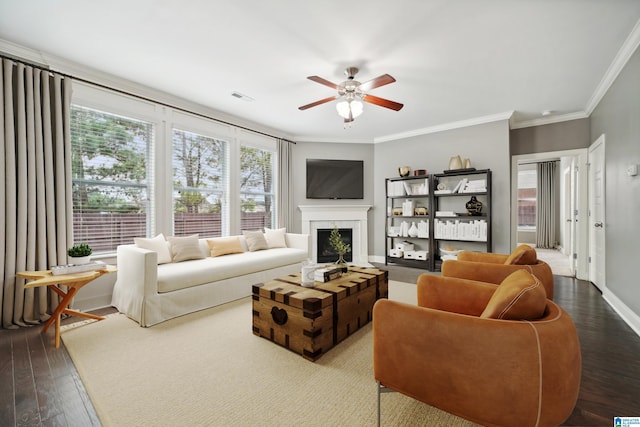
(354, 217)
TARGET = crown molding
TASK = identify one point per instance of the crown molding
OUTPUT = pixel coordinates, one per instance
(94, 76)
(622, 57)
(548, 120)
(446, 126)
(329, 140)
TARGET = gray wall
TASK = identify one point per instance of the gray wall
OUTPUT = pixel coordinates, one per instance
(569, 135)
(487, 146)
(310, 150)
(618, 117)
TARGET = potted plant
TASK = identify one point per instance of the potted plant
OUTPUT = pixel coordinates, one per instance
(79, 254)
(338, 245)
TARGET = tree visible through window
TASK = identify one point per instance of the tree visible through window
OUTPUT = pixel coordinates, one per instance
(109, 178)
(199, 183)
(256, 188)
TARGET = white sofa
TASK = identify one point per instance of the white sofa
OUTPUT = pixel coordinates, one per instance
(150, 293)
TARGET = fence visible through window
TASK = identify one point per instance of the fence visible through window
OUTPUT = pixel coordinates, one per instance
(105, 231)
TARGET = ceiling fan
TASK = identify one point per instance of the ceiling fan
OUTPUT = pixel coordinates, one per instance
(351, 92)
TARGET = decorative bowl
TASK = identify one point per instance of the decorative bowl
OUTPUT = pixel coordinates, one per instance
(444, 252)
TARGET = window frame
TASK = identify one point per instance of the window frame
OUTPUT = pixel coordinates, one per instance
(164, 120)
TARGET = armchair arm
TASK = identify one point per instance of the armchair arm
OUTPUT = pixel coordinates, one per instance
(453, 294)
(482, 257)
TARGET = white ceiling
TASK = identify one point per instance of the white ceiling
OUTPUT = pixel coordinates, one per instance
(454, 60)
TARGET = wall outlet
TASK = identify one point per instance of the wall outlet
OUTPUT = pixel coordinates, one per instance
(632, 170)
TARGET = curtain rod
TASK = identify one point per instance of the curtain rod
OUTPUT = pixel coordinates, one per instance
(533, 162)
(144, 98)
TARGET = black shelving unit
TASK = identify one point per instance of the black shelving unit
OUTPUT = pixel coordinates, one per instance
(417, 189)
(461, 230)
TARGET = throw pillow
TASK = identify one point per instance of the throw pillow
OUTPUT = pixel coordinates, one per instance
(520, 296)
(224, 245)
(275, 238)
(255, 240)
(185, 248)
(522, 255)
(157, 244)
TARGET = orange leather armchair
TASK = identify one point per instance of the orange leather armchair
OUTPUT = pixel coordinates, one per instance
(491, 371)
(491, 268)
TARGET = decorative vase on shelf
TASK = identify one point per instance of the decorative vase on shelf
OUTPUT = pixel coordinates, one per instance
(404, 170)
(404, 229)
(467, 163)
(455, 163)
(474, 206)
(413, 231)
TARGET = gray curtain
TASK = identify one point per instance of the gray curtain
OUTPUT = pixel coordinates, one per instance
(547, 205)
(285, 210)
(36, 203)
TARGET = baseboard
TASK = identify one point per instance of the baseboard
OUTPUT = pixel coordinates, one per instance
(628, 315)
(94, 303)
(376, 258)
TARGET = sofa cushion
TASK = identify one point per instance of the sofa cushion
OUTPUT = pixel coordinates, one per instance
(174, 276)
(255, 240)
(520, 296)
(275, 238)
(224, 245)
(185, 248)
(522, 255)
(157, 244)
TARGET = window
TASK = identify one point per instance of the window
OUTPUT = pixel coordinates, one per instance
(527, 193)
(110, 177)
(257, 196)
(131, 178)
(199, 184)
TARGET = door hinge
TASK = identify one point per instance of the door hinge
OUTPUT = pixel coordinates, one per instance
(589, 260)
(575, 256)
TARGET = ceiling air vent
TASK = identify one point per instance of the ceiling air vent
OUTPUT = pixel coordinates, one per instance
(242, 96)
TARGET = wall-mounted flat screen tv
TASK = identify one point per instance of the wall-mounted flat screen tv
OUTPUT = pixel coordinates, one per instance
(335, 179)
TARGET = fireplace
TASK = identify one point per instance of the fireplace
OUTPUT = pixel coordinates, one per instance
(351, 217)
(324, 250)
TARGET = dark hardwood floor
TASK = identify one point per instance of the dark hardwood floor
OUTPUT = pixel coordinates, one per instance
(39, 385)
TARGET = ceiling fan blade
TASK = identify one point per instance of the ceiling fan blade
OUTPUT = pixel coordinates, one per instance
(322, 101)
(325, 82)
(382, 102)
(382, 80)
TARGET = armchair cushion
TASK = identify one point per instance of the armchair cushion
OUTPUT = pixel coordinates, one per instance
(522, 255)
(521, 296)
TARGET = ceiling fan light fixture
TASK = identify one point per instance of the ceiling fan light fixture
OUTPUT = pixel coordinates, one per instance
(348, 108)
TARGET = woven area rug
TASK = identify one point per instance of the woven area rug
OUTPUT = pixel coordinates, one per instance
(207, 368)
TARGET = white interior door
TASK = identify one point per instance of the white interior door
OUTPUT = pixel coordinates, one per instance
(597, 224)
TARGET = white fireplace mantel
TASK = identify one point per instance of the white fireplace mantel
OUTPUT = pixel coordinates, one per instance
(316, 217)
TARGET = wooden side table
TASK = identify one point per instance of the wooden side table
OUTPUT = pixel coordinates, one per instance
(73, 282)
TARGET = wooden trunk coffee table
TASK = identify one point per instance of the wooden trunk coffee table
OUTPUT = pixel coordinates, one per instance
(310, 321)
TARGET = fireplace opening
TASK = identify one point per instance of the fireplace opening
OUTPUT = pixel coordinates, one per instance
(325, 252)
